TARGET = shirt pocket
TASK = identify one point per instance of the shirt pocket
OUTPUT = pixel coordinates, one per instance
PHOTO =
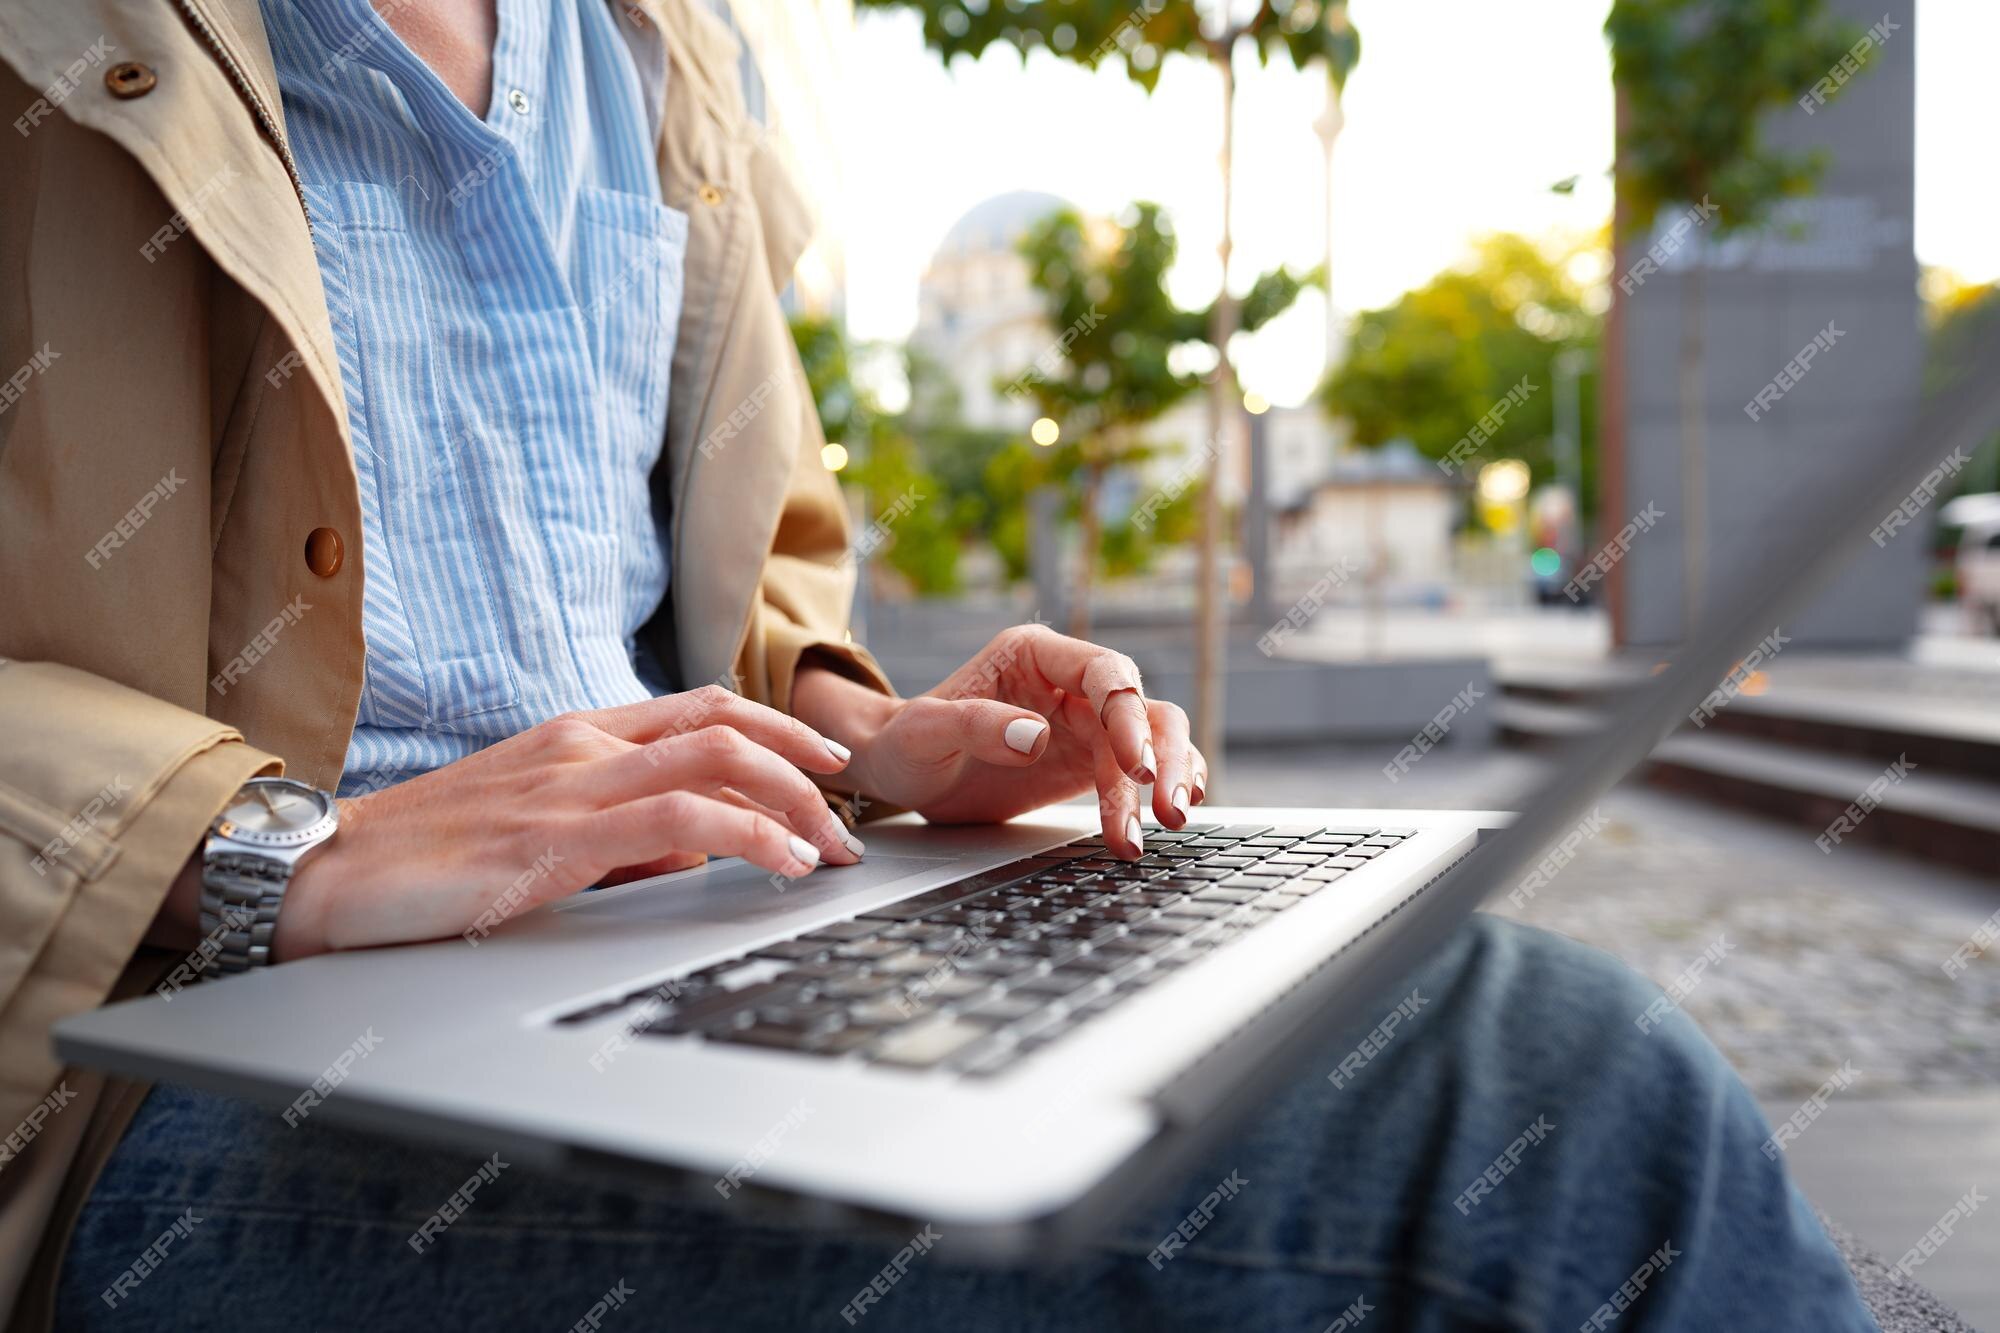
(630, 252)
(437, 651)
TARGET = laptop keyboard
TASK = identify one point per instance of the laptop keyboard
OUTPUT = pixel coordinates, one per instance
(972, 976)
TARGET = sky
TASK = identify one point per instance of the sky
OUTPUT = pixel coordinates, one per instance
(1459, 117)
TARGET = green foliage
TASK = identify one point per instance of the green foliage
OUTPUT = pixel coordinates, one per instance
(1430, 365)
(1138, 34)
(1695, 78)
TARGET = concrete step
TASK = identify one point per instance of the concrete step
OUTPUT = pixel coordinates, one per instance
(1940, 815)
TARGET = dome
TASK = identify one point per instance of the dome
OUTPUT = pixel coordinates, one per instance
(997, 223)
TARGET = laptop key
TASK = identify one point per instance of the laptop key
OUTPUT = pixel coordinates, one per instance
(792, 950)
(841, 932)
(923, 1044)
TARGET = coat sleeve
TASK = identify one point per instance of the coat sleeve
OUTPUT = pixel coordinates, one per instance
(104, 793)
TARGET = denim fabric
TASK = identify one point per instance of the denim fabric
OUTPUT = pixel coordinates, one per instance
(1348, 1194)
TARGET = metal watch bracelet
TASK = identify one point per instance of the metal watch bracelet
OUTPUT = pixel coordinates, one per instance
(240, 898)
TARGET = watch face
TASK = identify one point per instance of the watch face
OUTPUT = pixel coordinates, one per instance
(275, 811)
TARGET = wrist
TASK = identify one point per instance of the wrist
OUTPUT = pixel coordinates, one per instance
(846, 711)
(302, 921)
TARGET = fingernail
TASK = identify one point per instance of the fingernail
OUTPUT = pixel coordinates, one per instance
(837, 750)
(1180, 802)
(854, 844)
(1023, 732)
(804, 850)
(1149, 764)
(1132, 833)
(1200, 786)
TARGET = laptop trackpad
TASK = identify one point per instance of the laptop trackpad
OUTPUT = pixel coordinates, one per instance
(737, 893)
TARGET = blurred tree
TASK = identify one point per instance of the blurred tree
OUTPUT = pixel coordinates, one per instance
(1429, 366)
(1105, 287)
(1694, 79)
(1140, 36)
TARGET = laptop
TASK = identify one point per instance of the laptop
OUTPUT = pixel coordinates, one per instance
(1001, 1032)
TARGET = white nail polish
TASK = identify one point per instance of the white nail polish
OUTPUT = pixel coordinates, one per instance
(1180, 802)
(1149, 763)
(837, 750)
(854, 844)
(1024, 732)
(804, 850)
(1132, 833)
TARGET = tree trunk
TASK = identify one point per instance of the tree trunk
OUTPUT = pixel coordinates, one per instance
(1694, 480)
(1090, 534)
(1211, 595)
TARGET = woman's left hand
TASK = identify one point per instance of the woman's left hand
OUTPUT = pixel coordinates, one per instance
(1032, 719)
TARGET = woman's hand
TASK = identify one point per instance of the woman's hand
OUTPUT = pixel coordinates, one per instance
(1033, 718)
(613, 794)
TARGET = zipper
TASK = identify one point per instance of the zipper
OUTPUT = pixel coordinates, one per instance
(265, 120)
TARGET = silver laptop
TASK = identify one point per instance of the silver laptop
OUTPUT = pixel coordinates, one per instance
(1003, 1031)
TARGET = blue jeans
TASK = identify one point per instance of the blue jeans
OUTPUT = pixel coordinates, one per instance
(1516, 1155)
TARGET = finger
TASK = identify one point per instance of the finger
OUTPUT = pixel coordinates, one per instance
(1110, 680)
(1200, 778)
(684, 821)
(711, 705)
(1117, 802)
(1173, 788)
(713, 758)
(933, 730)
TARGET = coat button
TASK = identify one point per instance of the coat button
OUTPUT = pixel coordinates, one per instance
(710, 195)
(323, 552)
(130, 79)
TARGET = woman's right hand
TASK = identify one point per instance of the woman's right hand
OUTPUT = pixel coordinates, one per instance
(614, 794)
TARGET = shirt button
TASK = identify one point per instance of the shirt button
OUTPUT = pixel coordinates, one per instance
(518, 100)
(323, 552)
(130, 79)
(710, 195)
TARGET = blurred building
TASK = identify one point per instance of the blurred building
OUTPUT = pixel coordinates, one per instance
(1388, 509)
(795, 62)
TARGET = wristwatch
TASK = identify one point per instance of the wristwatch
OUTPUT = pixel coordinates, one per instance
(253, 847)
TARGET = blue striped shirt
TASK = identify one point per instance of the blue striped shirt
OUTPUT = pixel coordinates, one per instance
(504, 295)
